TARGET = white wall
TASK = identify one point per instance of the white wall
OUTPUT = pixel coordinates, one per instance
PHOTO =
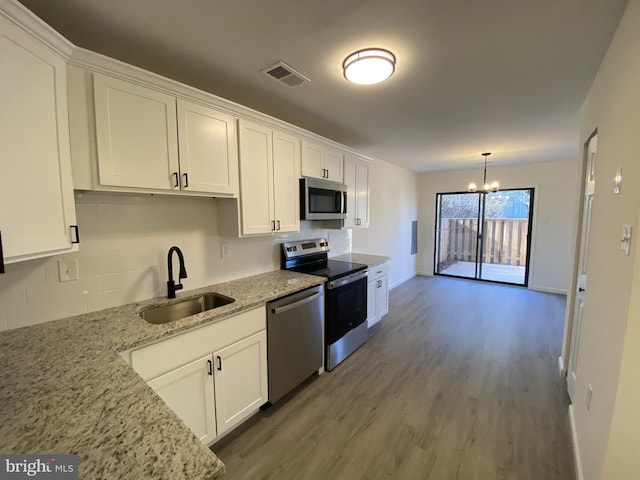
(622, 460)
(607, 434)
(394, 200)
(123, 256)
(555, 186)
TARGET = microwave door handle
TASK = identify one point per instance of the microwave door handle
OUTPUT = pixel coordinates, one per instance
(343, 202)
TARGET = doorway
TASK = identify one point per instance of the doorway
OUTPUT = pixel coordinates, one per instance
(484, 236)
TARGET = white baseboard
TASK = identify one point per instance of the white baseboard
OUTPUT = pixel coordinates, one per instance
(561, 370)
(401, 281)
(577, 459)
(538, 288)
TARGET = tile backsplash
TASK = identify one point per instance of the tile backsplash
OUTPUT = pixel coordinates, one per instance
(123, 256)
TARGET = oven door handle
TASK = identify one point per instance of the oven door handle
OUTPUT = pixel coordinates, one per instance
(296, 304)
(341, 282)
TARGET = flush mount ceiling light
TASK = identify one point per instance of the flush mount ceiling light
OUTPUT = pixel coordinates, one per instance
(486, 187)
(369, 66)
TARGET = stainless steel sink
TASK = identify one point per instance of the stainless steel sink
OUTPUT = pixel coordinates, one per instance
(184, 308)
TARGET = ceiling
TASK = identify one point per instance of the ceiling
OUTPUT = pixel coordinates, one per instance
(505, 76)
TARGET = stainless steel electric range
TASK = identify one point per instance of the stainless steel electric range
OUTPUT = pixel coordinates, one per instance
(345, 295)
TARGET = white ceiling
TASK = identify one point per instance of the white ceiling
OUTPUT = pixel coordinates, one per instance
(506, 76)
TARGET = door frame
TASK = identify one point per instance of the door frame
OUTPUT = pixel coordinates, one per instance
(563, 360)
(481, 235)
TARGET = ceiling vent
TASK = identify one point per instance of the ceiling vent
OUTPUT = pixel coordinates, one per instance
(285, 74)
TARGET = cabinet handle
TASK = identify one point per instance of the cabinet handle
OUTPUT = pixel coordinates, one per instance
(1, 255)
(379, 283)
(210, 367)
(273, 225)
(278, 222)
(175, 176)
(219, 362)
(186, 180)
(75, 234)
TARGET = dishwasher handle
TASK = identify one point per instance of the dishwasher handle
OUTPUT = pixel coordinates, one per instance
(286, 308)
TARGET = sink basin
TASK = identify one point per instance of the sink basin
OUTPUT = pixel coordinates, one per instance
(184, 308)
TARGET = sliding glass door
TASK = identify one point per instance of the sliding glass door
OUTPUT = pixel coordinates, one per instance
(484, 236)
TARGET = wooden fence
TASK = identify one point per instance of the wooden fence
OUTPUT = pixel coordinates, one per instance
(505, 241)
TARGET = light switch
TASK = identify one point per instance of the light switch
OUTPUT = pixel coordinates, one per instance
(625, 241)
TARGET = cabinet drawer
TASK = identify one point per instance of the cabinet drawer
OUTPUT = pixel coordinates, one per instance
(167, 354)
(377, 271)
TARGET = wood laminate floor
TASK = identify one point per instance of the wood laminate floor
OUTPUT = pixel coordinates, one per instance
(458, 381)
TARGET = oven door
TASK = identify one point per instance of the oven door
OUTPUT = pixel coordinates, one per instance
(346, 305)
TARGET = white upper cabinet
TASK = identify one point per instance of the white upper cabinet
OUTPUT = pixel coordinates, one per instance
(269, 173)
(136, 135)
(320, 161)
(148, 140)
(207, 148)
(286, 181)
(356, 177)
(333, 165)
(256, 178)
(38, 208)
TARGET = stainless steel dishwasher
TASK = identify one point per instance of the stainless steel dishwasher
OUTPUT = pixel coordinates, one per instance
(294, 339)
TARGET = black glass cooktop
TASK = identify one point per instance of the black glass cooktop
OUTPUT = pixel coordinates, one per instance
(331, 269)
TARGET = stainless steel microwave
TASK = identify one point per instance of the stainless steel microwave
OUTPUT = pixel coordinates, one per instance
(322, 199)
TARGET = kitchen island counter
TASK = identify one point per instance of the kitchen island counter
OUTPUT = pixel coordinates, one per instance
(65, 389)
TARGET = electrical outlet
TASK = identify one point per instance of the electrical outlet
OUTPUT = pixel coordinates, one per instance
(68, 270)
(224, 250)
(589, 396)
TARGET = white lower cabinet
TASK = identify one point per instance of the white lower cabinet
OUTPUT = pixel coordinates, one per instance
(377, 293)
(240, 380)
(212, 377)
(188, 390)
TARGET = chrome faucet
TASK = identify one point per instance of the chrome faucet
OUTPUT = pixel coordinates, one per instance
(171, 286)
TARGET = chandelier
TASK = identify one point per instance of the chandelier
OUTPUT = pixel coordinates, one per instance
(486, 186)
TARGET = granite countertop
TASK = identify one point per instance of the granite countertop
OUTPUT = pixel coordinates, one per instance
(369, 260)
(64, 388)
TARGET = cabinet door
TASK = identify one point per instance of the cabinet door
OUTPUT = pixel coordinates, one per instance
(188, 390)
(286, 174)
(382, 296)
(312, 160)
(333, 160)
(37, 201)
(362, 194)
(351, 180)
(240, 380)
(207, 148)
(256, 178)
(136, 132)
